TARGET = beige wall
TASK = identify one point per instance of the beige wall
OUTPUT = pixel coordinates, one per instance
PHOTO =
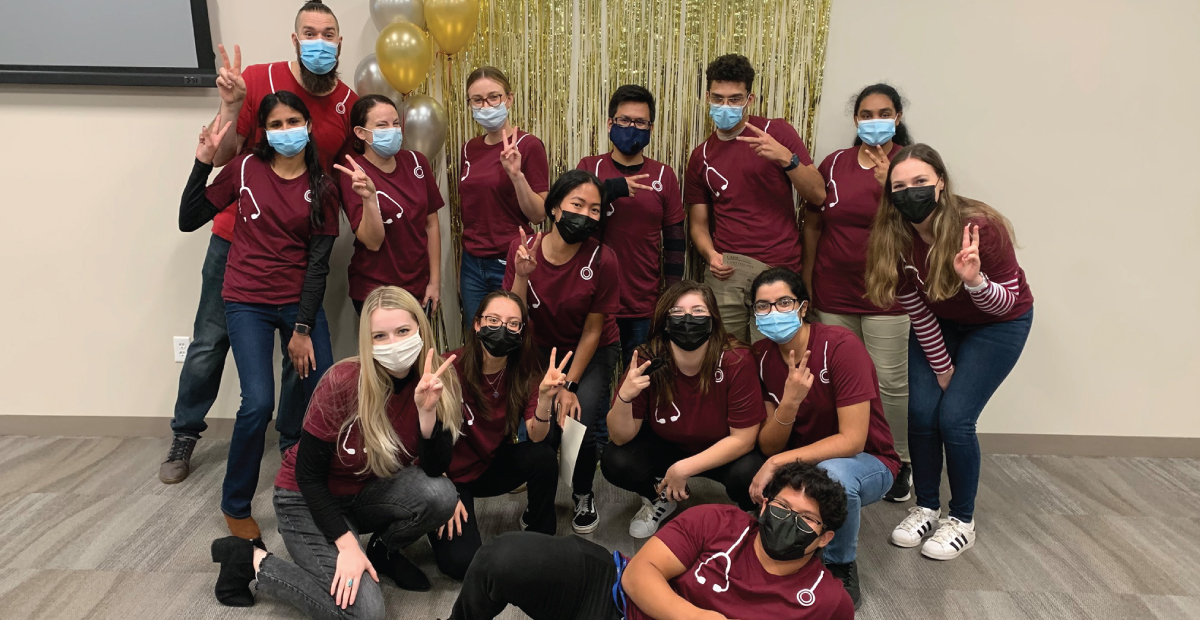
(1057, 114)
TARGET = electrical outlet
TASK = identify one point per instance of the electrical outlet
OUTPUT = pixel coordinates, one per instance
(181, 347)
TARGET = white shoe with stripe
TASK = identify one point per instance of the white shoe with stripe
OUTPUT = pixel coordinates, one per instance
(645, 523)
(950, 541)
(915, 527)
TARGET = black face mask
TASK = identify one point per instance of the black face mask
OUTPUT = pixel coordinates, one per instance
(574, 228)
(689, 332)
(915, 203)
(784, 535)
(499, 341)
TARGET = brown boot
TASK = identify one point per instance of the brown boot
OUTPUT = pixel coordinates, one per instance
(179, 461)
(243, 528)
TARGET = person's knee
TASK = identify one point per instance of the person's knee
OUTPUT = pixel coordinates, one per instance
(368, 604)
(837, 470)
(441, 498)
(620, 463)
(455, 563)
(542, 462)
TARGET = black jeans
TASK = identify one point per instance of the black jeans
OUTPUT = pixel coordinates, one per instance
(546, 577)
(639, 466)
(532, 463)
(595, 390)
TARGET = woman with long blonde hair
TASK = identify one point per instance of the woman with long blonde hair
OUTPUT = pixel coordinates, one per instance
(376, 442)
(950, 262)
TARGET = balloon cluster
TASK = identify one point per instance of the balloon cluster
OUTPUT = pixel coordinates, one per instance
(402, 57)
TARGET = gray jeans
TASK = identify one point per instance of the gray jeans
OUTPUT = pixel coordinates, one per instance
(399, 509)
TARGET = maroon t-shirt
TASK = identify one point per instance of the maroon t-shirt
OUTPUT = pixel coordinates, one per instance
(330, 126)
(333, 402)
(407, 196)
(843, 375)
(696, 420)
(997, 260)
(490, 211)
(269, 255)
(561, 296)
(633, 229)
(483, 424)
(715, 542)
(753, 212)
(851, 201)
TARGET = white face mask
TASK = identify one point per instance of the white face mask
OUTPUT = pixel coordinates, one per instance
(398, 356)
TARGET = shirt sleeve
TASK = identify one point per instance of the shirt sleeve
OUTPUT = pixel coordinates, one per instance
(672, 200)
(607, 298)
(783, 131)
(929, 332)
(329, 210)
(313, 458)
(535, 164)
(826, 170)
(998, 263)
(695, 190)
(744, 407)
(194, 207)
(335, 398)
(685, 535)
(852, 373)
(223, 191)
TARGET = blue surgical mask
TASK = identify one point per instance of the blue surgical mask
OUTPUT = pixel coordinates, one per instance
(725, 117)
(386, 142)
(629, 140)
(876, 131)
(778, 326)
(288, 142)
(318, 55)
(491, 117)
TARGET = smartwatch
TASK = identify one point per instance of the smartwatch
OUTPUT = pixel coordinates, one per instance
(303, 329)
(572, 387)
(792, 166)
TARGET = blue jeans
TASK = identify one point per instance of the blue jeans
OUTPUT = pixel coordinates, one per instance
(866, 480)
(479, 277)
(252, 330)
(983, 355)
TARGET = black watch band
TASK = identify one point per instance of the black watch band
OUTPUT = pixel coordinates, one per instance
(302, 329)
(572, 387)
(792, 166)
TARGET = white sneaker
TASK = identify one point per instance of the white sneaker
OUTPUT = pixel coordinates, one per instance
(645, 523)
(915, 526)
(950, 541)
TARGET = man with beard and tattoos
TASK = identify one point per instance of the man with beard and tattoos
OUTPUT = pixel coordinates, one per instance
(313, 77)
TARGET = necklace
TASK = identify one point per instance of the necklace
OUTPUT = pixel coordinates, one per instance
(495, 390)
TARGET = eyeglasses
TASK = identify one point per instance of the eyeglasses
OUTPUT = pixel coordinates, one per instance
(678, 311)
(492, 100)
(783, 304)
(782, 513)
(733, 100)
(625, 121)
(514, 326)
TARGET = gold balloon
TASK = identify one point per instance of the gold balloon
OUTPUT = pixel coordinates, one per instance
(451, 22)
(404, 55)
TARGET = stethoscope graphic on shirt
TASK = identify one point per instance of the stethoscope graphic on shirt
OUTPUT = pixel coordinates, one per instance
(832, 184)
(718, 377)
(823, 375)
(656, 185)
(708, 168)
(467, 162)
(250, 192)
(340, 108)
(393, 201)
(586, 273)
(470, 421)
(806, 597)
(347, 449)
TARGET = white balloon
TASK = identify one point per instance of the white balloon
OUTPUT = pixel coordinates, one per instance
(384, 12)
(424, 125)
(369, 80)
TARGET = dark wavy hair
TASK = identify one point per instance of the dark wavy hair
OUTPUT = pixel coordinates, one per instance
(780, 274)
(567, 183)
(358, 117)
(730, 68)
(522, 368)
(631, 93)
(902, 137)
(815, 484)
(318, 181)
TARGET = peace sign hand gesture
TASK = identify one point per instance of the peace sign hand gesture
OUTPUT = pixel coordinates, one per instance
(966, 262)
(359, 181)
(429, 390)
(766, 146)
(555, 377)
(230, 84)
(634, 186)
(510, 156)
(879, 161)
(210, 139)
(799, 380)
(634, 379)
(526, 254)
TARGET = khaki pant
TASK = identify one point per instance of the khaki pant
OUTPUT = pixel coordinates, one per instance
(733, 295)
(886, 338)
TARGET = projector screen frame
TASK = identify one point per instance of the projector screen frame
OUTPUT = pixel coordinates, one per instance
(202, 77)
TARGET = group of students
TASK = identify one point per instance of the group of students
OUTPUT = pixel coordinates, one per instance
(808, 378)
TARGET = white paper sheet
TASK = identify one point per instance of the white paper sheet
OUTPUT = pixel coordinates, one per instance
(572, 439)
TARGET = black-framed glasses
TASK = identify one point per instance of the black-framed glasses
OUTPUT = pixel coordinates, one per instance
(625, 121)
(781, 512)
(491, 100)
(513, 325)
(783, 304)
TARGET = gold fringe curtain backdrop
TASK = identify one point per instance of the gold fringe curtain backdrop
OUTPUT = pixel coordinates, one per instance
(564, 59)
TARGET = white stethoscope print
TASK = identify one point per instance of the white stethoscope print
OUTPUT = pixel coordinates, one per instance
(340, 108)
(393, 201)
(586, 273)
(708, 168)
(349, 450)
(832, 184)
(700, 579)
(471, 420)
(656, 185)
(824, 374)
(243, 188)
(808, 596)
(672, 418)
(762, 377)
(467, 162)
(418, 170)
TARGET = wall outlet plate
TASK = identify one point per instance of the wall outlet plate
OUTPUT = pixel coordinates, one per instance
(181, 344)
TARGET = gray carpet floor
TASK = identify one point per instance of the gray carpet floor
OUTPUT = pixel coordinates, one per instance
(88, 532)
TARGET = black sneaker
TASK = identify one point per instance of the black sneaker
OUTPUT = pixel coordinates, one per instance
(406, 574)
(848, 575)
(586, 519)
(179, 461)
(902, 488)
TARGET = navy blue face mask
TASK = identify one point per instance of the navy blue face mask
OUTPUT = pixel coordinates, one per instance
(629, 140)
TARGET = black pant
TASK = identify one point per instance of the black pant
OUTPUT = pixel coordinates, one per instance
(639, 466)
(595, 392)
(548, 578)
(532, 463)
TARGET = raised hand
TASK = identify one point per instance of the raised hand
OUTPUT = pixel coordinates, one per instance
(210, 138)
(526, 254)
(555, 377)
(766, 146)
(879, 163)
(966, 262)
(230, 84)
(359, 181)
(635, 379)
(634, 186)
(799, 380)
(510, 156)
(429, 390)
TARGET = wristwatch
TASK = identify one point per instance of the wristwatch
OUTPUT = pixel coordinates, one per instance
(571, 386)
(303, 329)
(792, 166)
